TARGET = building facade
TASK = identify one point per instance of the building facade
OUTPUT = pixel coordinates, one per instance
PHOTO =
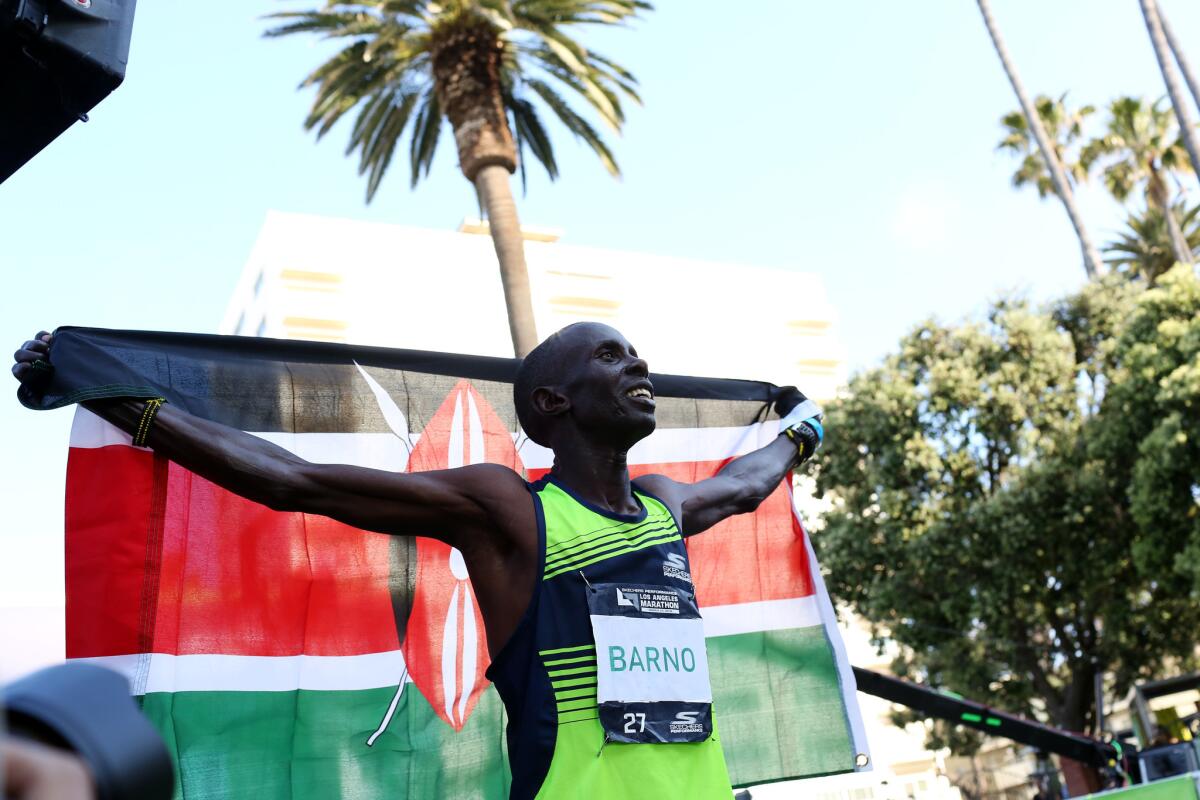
(394, 286)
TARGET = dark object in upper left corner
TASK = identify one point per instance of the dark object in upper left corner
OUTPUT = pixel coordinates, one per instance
(58, 59)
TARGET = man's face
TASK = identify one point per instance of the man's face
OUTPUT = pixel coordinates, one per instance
(608, 384)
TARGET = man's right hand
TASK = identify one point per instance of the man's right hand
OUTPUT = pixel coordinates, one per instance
(32, 366)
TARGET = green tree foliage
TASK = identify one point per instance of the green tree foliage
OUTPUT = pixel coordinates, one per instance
(990, 497)
(407, 62)
(1063, 125)
(1141, 149)
(1153, 439)
(1144, 250)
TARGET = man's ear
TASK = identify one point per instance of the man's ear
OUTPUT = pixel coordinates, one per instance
(549, 402)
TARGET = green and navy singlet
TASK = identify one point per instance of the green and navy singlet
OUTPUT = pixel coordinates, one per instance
(546, 674)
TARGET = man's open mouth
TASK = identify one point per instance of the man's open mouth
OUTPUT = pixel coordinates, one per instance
(641, 393)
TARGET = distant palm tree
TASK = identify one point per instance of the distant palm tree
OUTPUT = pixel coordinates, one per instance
(1144, 249)
(1166, 65)
(1091, 258)
(1141, 149)
(1189, 77)
(485, 65)
(1063, 126)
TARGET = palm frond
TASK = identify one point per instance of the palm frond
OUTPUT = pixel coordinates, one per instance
(425, 136)
(330, 24)
(1144, 250)
(576, 125)
(377, 153)
(530, 133)
(385, 74)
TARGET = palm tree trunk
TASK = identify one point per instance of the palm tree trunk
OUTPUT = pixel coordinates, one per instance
(1187, 126)
(1183, 253)
(496, 197)
(1091, 257)
(1189, 77)
(466, 73)
(1158, 196)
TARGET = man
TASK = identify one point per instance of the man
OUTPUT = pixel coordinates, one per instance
(598, 647)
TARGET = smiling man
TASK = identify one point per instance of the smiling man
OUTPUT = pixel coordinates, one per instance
(582, 578)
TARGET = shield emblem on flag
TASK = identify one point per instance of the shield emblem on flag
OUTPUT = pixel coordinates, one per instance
(445, 646)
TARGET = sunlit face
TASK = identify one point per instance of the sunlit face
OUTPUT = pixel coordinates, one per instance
(608, 384)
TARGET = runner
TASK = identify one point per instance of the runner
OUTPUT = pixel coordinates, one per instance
(582, 578)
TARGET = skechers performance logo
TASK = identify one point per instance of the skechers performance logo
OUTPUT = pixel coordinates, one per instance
(649, 601)
(676, 567)
(685, 722)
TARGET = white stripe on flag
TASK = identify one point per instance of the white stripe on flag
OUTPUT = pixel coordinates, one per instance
(226, 673)
(164, 672)
(387, 451)
(764, 615)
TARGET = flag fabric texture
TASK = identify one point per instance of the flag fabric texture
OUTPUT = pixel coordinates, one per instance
(286, 655)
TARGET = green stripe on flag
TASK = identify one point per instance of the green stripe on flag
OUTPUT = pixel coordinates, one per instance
(776, 695)
(778, 703)
(311, 745)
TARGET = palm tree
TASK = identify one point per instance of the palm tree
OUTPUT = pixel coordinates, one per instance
(1189, 77)
(1063, 126)
(1187, 127)
(492, 68)
(1091, 258)
(1144, 249)
(1140, 149)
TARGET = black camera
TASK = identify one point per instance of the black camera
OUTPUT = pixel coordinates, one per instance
(86, 710)
(58, 59)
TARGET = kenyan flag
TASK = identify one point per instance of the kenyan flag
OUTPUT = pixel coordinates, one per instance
(290, 656)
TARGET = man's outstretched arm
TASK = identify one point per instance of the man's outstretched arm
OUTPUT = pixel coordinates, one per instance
(449, 505)
(743, 483)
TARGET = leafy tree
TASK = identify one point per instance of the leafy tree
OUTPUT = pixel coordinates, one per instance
(1064, 128)
(1144, 250)
(1141, 150)
(1152, 439)
(492, 68)
(977, 522)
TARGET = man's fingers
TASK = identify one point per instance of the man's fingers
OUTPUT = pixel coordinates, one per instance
(28, 354)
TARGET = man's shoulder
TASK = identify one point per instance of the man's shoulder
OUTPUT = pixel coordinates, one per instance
(662, 487)
(490, 476)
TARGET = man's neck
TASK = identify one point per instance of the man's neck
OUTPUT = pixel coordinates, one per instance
(598, 474)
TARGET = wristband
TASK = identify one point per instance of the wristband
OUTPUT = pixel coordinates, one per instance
(146, 421)
(802, 425)
(807, 437)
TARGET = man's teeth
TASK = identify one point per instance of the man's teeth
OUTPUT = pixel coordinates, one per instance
(640, 393)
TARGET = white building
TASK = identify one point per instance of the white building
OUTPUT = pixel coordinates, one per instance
(395, 286)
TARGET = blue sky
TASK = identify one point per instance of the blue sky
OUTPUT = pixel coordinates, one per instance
(855, 140)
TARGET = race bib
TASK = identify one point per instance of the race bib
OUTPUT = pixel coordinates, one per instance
(652, 665)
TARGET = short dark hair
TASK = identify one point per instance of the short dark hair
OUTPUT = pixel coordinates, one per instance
(542, 367)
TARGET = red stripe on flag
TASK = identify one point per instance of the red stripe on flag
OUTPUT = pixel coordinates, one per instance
(109, 497)
(241, 579)
(236, 577)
